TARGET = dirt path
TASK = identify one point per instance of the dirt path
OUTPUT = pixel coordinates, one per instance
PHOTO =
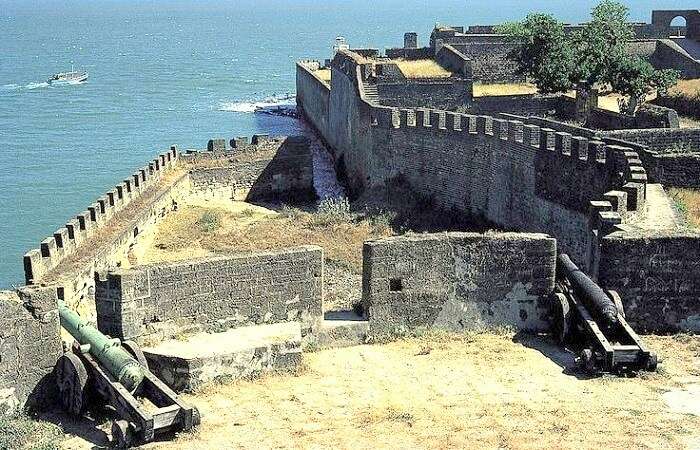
(477, 391)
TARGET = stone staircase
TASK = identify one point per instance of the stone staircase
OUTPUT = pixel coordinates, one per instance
(371, 93)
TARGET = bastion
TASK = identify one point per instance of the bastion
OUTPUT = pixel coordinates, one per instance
(541, 186)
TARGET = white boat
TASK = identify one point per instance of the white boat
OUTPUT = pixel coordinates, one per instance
(74, 76)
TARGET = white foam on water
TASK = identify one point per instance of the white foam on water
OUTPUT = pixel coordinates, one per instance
(32, 86)
(10, 87)
(253, 106)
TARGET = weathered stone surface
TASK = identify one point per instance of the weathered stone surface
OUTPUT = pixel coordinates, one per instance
(30, 345)
(458, 281)
(218, 293)
(243, 353)
(342, 329)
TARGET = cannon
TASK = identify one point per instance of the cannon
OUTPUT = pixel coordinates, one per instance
(118, 373)
(594, 320)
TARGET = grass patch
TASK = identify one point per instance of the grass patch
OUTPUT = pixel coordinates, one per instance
(688, 203)
(209, 221)
(488, 90)
(324, 74)
(422, 68)
(25, 433)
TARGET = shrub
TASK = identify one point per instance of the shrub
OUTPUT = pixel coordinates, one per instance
(209, 221)
(332, 211)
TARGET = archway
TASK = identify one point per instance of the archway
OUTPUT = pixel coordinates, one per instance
(678, 27)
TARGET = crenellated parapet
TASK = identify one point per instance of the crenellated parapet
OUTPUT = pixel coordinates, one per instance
(68, 239)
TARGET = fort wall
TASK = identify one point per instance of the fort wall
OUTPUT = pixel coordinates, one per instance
(313, 94)
(519, 176)
(29, 347)
(276, 169)
(658, 276)
(215, 294)
(67, 240)
(458, 282)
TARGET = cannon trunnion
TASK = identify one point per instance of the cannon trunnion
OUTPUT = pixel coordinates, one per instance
(594, 321)
(117, 372)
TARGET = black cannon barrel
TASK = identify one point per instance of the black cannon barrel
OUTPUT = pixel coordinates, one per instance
(587, 290)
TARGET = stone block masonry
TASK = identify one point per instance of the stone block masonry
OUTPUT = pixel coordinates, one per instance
(214, 294)
(458, 281)
(30, 345)
(657, 274)
(273, 169)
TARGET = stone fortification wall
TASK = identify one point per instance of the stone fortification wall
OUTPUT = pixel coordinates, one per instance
(452, 59)
(648, 116)
(441, 93)
(410, 53)
(671, 156)
(458, 281)
(525, 105)
(69, 239)
(267, 169)
(658, 276)
(30, 345)
(313, 94)
(519, 176)
(516, 176)
(213, 294)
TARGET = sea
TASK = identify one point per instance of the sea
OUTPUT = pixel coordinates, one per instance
(177, 72)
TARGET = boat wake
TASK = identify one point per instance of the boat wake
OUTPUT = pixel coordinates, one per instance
(37, 85)
(283, 105)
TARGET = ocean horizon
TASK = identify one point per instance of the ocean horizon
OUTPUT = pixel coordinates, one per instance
(174, 72)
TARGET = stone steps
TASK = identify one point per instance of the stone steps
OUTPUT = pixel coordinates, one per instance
(371, 93)
(342, 329)
(241, 353)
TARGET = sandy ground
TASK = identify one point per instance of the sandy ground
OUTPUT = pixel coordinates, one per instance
(441, 391)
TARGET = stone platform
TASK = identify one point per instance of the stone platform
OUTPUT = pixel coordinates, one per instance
(241, 353)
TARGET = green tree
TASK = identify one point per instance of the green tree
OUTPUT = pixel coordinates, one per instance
(543, 52)
(593, 56)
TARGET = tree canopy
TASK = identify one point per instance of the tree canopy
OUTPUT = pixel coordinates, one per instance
(594, 55)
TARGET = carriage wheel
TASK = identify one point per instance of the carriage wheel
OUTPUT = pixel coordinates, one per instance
(122, 436)
(587, 361)
(561, 323)
(134, 350)
(71, 378)
(652, 362)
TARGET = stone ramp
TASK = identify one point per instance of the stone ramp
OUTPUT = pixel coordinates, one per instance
(241, 353)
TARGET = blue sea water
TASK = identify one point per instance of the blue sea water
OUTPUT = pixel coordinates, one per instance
(173, 72)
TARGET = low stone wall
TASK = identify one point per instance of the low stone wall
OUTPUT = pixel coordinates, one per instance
(214, 294)
(648, 116)
(526, 105)
(441, 93)
(30, 345)
(278, 169)
(657, 274)
(458, 281)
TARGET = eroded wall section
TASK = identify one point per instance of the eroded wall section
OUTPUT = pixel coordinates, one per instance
(458, 281)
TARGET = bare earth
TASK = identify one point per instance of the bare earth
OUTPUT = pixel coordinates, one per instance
(442, 391)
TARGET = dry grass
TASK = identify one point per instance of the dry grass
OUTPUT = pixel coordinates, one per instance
(245, 228)
(688, 201)
(487, 90)
(436, 392)
(689, 88)
(324, 74)
(422, 68)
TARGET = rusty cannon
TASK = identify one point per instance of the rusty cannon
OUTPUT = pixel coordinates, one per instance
(118, 373)
(594, 320)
